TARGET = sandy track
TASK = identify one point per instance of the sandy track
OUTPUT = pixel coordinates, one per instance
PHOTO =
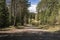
(23, 30)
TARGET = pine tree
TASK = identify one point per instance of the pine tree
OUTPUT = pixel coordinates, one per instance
(20, 11)
(48, 10)
(4, 15)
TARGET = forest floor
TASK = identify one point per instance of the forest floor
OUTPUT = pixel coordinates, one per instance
(30, 28)
(30, 33)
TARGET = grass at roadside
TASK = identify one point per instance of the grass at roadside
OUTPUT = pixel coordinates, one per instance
(45, 27)
(11, 28)
(7, 29)
(50, 28)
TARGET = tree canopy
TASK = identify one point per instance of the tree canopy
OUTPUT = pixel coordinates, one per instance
(4, 15)
(48, 10)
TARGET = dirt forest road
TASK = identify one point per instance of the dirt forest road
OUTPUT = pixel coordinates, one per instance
(29, 34)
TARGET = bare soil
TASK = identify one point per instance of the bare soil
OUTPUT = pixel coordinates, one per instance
(29, 34)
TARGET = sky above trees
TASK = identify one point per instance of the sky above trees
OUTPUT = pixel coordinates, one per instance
(32, 8)
(34, 3)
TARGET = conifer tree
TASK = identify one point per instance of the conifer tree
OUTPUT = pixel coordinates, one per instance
(4, 15)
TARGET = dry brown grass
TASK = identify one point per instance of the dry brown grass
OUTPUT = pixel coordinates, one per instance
(54, 28)
(50, 28)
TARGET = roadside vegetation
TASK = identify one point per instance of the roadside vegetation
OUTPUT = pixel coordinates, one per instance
(16, 15)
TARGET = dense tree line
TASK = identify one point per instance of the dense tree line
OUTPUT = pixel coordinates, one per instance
(14, 14)
(4, 14)
(48, 11)
(19, 10)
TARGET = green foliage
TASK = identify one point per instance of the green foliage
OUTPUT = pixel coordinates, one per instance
(20, 11)
(4, 15)
(32, 15)
(35, 22)
(48, 11)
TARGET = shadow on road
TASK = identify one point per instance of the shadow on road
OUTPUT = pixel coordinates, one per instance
(31, 36)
